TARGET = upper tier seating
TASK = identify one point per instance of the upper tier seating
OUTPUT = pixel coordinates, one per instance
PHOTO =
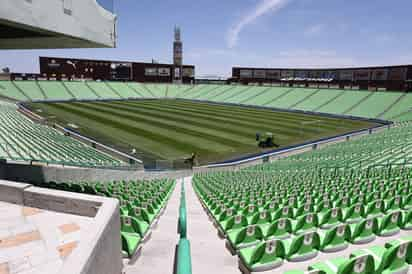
(23, 140)
(375, 104)
(103, 90)
(80, 90)
(55, 90)
(384, 105)
(31, 89)
(345, 102)
(8, 89)
(124, 90)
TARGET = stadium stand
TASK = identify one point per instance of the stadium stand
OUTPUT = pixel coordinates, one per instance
(373, 105)
(316, 202)
(102, 90)
(23, 140)
(291, 98)
(54, 90)
(80, 90)
(344, 102)
(141, 205)
(9, 90)
(404, 104)
(140, 89)
(267, 97)
(158, 90)
(124, 90)
(385, 105)
(31, 89)
(318, 99)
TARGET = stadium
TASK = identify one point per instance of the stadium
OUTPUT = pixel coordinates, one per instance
(112, 166)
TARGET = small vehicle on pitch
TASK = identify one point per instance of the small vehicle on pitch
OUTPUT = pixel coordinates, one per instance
(265, 140)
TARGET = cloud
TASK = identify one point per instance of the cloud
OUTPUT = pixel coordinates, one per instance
(262, 8)
(314, 30)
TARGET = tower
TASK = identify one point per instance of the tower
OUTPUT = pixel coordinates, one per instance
(177, 55)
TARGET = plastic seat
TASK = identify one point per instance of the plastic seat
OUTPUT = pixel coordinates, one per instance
(263, 257)
(363, 232)
(353, 213)
(387, 260)
(131, 235)
(374, 209)
(406, 222)
(329, 218)
(245, 237)
(279, 229)
(302, 247)
(389, 224)
(305, 223)
(359, 265)
(334, 239)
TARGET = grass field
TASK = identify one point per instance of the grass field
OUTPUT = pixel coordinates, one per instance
(173, 129)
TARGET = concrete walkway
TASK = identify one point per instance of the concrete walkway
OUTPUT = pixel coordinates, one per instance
(158, 253)
(209, 254)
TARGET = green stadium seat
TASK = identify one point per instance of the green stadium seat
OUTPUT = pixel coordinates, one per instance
(363, 232)
(263, 257)
(279, 229)
(361, 265)
(335, 239)
(388, 225)
(302, 247)
(387, 260)
(245, 237)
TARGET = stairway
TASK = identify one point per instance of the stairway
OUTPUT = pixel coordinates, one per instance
(255, 95)
(135, 90)
(94, 92)
(68, 90)
(305, 98)
(41, 90)
(112, 89)
(358, 103)
(393, 104)
(237, 94)
(329, 101)
(19, 89)
(278, 97)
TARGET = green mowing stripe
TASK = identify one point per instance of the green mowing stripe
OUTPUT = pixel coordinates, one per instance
(282, 119)
(285, 129)
(220, 128)
(232, 127)
(183, 145)
(103, 129)
(189, 136)
(185, 126)
(292, 117)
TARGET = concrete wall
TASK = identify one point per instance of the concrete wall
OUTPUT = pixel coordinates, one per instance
(99, 252)
(63, 24)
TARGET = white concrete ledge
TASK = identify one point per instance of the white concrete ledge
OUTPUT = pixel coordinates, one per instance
(99, 251)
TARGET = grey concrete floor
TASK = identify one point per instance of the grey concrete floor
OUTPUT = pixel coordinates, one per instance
(209, 254)
(157, 255)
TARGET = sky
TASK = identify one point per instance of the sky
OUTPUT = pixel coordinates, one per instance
(220, 34)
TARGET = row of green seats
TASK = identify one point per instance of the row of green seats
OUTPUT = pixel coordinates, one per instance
(394, 257)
